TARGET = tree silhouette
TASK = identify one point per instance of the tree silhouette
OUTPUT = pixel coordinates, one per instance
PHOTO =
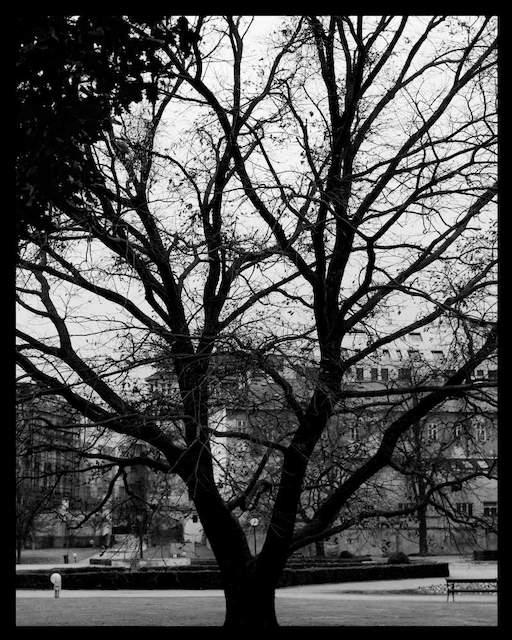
(273, 201)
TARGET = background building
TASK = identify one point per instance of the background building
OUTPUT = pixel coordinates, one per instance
(455, 445)
(457, 440)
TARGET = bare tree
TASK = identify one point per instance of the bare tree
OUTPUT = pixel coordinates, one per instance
(268, 203)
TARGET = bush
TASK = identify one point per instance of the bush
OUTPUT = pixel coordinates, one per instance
(486, 555)
(398, 558)
(346, 554)
(211, 579)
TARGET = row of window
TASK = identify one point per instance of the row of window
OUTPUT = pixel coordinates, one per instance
(374, 374)
(405, 374)
(490, 509)
(482, 432)
(433, 432)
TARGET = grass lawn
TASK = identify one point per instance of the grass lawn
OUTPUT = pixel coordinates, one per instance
(209, 611)
(47, 556)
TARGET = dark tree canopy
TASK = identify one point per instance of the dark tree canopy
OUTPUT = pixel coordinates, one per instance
(72, 75)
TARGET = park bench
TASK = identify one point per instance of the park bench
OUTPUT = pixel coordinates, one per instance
(453, 584)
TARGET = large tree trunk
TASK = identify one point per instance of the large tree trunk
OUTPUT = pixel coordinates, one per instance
(422, 532)
(422, 518)
(250, 605)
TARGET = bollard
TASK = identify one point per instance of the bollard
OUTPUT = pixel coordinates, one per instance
(74, 557)
(56, 580)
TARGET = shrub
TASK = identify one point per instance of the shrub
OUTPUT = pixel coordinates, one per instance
(346, 554)
(211, 579)
(486, 555)
(398, 558)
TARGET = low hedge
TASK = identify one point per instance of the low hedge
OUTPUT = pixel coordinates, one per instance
(321, 575)
(125, 580)
(69, 570)
(488, 555)
(177, 578)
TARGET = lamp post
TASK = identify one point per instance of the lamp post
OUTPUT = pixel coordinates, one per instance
(254, 522)
(56, 580)
(140, 519)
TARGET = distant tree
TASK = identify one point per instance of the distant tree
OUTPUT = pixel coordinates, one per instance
(31, 503)
(36, 490)
(422, 478)
(266, 203)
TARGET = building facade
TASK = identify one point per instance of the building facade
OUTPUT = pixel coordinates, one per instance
(454, 445)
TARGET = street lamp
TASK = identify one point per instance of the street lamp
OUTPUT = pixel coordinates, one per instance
(140, 524)
(254, 522)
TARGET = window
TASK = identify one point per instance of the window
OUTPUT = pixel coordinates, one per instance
(47, 473)
(457, 430)
(490, 509)
(404, 374)
(482, 434)
(385, 353)
(492, 375)
(437, 354)
(359, 373)
(480, 373)
(399, 354)
(414, 354)
(415, 337)
(432, 431)
(374, 374)
(384, 374)
(354, 433)
(464, 508)
(241, 423)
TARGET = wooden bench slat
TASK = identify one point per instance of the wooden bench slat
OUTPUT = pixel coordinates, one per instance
(452, 582)
(471, 579)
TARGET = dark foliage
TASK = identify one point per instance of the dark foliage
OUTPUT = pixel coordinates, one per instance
(398, 558)
(72, 75)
